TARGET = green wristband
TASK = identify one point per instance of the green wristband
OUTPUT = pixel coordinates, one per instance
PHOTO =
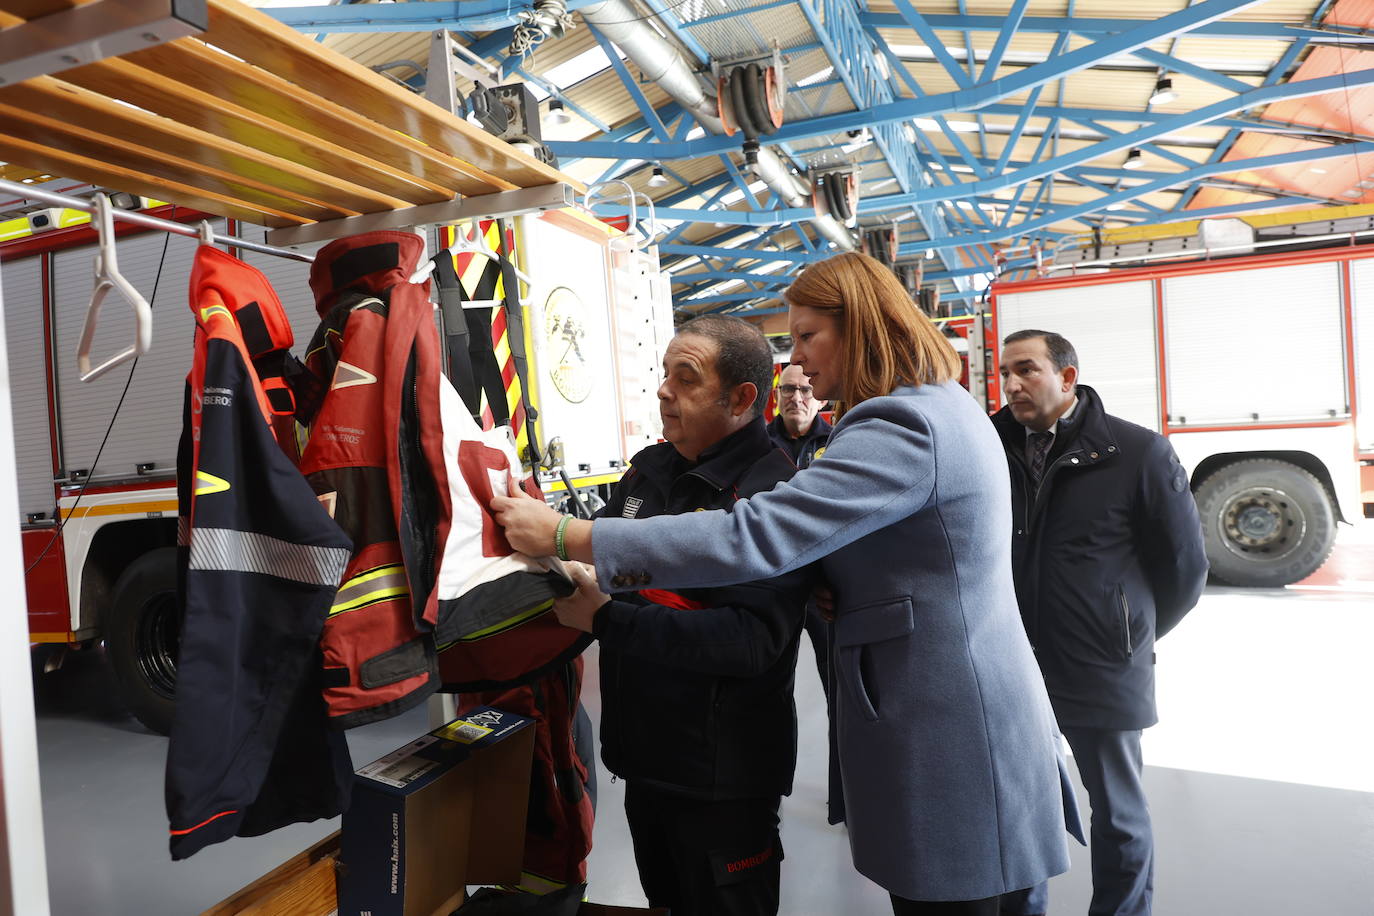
(558, 545)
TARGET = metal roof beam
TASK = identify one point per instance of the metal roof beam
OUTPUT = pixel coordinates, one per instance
(1164, 183)
(928, 106)
(407, 16)
(918, 23)
(1276, 31)
(1010, 26)
(1136, 137)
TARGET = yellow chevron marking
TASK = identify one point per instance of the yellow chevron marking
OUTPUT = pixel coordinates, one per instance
(209, 483)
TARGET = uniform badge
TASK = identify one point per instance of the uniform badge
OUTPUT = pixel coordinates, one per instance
(632, 505)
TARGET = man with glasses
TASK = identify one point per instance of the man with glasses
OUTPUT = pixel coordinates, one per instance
(801, 432)
(798, 429)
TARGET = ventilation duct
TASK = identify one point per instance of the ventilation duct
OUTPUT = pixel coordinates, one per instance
(662, 63)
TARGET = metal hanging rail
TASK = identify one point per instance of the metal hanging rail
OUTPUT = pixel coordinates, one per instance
(151, 222)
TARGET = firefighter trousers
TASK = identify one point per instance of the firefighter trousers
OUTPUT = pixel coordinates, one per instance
(705, 858)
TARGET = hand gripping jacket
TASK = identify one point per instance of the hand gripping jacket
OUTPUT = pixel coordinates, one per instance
(404, 471)
(259, 563)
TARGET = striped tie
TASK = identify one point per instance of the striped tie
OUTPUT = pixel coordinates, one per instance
(1039, 450)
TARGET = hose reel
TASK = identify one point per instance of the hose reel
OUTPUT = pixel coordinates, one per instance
(836, 192)
(749, 99)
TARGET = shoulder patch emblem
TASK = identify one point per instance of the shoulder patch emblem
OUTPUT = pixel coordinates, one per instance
(1180, 481)
(632, 507)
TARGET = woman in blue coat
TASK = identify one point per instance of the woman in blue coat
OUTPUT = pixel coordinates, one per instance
(955, 789)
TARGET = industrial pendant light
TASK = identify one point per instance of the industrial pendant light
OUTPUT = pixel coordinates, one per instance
(1133, 160)
(1164, 92)
(557, 115)
(658, 179)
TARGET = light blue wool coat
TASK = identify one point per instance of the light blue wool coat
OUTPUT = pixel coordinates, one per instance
(954, 785)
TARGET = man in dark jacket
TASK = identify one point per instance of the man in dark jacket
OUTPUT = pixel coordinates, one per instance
(799, 429)
(696, 685)
(1107, 555)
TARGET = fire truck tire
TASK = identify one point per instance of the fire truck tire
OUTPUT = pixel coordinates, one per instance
(142, 635)
(1265, 523)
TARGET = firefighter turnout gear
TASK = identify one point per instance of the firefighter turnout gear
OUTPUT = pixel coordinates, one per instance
(259, 562)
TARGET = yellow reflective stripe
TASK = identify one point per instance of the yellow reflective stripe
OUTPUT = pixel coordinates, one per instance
(369, 598)
(209, 483)
(209, 310)
(508, 622)
(371, 586)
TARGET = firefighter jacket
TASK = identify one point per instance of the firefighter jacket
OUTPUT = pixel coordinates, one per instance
(259, 562)
(696, 684)
(391, 458)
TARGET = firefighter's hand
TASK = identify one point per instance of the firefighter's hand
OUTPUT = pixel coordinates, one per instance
(578, 610)
(530, 525)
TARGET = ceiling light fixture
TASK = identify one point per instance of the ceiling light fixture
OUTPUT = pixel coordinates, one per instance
(658, 179)
(1164, 92)
(557, 115)
(1133, 160)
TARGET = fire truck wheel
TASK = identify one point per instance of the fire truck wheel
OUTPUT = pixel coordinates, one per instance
(1265, 523)
(142, 635)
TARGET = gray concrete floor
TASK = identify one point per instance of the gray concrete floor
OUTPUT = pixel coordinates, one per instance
(1261, 778)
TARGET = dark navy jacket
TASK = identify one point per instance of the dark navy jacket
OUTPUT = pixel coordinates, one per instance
(1107, 556)
(697, 684)
(805, 449)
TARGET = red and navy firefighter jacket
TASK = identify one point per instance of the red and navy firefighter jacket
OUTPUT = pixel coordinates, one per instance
(259, 563)
(396, 458)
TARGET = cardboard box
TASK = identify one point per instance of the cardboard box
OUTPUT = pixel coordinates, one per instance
(445, 811)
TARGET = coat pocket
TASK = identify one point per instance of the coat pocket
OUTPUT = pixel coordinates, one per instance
(855, 632)
(1123, 620)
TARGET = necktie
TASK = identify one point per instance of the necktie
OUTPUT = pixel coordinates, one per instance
(1039, 450)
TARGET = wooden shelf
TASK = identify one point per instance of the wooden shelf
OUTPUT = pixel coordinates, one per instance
(253, 121)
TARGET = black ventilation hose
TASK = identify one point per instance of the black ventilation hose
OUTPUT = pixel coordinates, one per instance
(742, 116)
(756, 97)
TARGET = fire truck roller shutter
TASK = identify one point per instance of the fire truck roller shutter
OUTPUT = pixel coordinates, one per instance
(24, 304)
(1265, 522)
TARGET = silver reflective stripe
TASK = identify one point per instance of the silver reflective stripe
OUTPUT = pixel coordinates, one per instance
(226, 550)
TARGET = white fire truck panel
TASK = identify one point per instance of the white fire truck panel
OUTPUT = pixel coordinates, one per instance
(28, 385)
(644, 325)
(1112, 326)
(1362, 285)
(1264, 345)
(573, 355)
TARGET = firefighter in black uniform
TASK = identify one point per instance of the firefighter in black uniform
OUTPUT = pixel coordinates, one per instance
(696, 685)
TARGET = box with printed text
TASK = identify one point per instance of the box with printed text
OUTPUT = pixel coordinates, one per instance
(445, 811)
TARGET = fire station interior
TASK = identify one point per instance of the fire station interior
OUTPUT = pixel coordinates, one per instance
(1183, 188)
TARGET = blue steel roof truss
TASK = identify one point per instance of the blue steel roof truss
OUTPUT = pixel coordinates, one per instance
(964, 201)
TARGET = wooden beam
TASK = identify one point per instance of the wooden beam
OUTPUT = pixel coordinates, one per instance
(194, 63)
(61, 134)
(84, 168)
(267, 43)
(362, 183)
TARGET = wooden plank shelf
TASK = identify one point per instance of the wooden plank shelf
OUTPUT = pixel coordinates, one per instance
(253, 121)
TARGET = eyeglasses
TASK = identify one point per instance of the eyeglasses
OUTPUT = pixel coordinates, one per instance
(788, 390)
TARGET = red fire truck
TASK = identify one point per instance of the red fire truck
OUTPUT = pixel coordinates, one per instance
(1255, 366)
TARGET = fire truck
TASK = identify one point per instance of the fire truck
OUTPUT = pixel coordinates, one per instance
(1258, 365)
(96, 461)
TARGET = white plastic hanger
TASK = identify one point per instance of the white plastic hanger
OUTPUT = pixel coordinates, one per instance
(108, 277)
(206, 233)
(462, 244)
(633, 228)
